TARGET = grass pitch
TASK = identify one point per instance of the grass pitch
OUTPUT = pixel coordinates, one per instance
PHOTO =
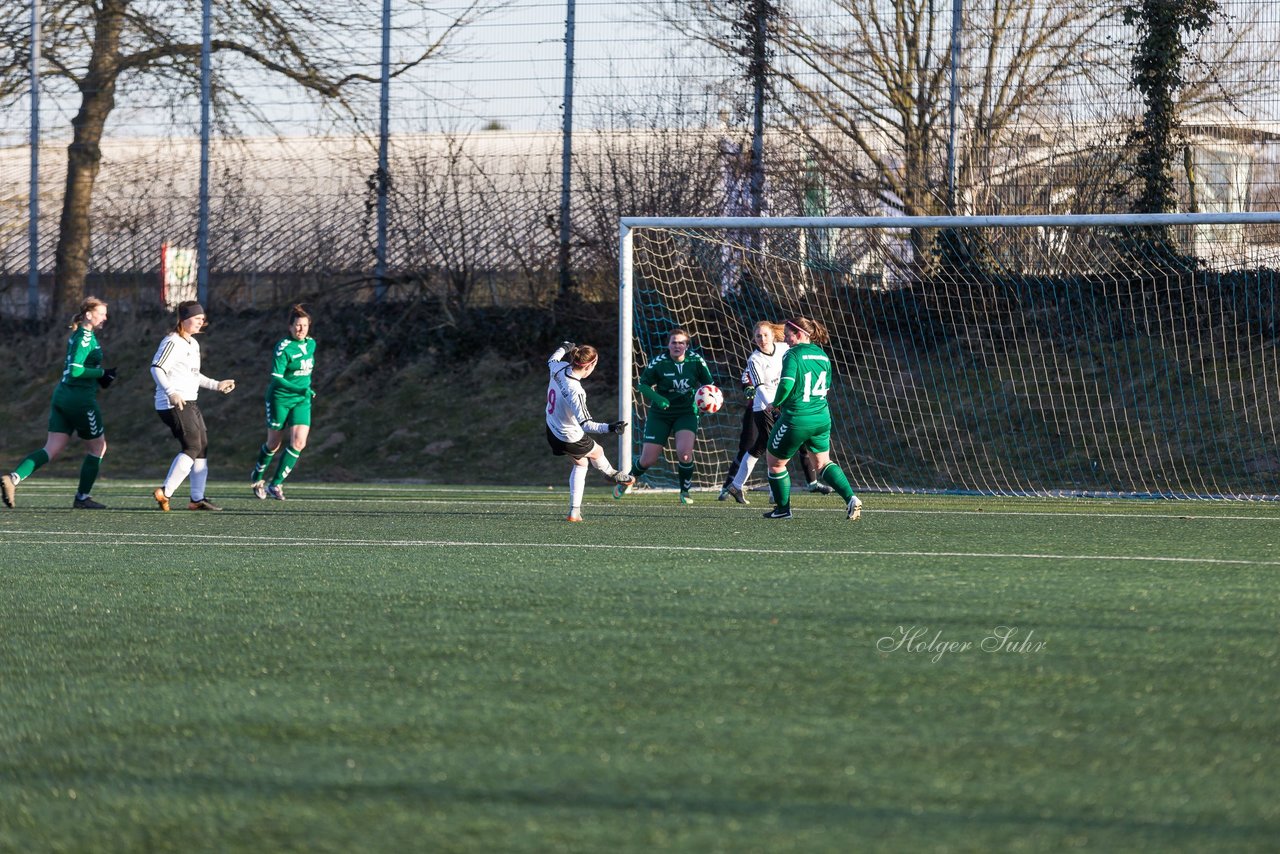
(398, 668)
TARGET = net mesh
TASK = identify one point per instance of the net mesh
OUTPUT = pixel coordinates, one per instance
(1011, 360)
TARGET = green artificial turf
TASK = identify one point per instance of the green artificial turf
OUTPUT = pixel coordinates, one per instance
(393, 668)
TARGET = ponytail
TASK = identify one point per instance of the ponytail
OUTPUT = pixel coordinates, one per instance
(816, 331)
(582, 355)
(89, 304)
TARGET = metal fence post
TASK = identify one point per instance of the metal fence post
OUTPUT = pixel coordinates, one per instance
(566, 157)
(760, 70)
(202, 221)
(383, 178)
(956, 28)
(33, 202)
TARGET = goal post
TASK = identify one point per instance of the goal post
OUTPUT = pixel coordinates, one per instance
(1108, 355)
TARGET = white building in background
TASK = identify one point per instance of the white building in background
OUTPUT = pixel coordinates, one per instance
(1219, 176)
(305, 203)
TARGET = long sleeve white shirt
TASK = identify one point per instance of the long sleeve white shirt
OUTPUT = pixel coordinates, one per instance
(176, 368)
(764, 371)
(567, 414)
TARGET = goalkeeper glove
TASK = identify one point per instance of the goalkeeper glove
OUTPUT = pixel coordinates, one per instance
(107, 378)
(749, 391)
(567, 345)
(662, 403)
(617, 426)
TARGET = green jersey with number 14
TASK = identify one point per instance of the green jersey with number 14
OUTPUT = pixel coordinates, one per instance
(806, 378)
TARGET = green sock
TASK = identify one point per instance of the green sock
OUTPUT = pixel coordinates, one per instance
(33, 461)
(834, 476)
(265, 455)
(89, 473)
(287, 462)
(780, 488)
(637, 470)
(686, 475)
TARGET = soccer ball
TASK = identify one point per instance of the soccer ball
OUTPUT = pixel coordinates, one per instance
(708, 399)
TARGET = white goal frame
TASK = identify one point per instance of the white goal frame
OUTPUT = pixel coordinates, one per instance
(626, 260)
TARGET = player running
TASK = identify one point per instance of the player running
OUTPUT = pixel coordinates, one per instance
(289, 397)
(74, 409)
(569, 422)
(669, 383)
(804, 418)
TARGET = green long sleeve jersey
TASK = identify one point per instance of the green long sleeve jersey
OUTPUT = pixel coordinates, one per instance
(291, 370)
(675, 382)
(83, 365)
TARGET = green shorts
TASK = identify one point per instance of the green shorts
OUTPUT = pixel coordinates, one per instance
(75, 410)
(288, 410)
(660, 425)
(791, 433)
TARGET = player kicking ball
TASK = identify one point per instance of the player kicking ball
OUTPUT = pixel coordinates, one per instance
(569, 423)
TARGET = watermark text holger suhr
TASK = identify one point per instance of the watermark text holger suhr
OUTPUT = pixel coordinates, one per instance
(1002, 640)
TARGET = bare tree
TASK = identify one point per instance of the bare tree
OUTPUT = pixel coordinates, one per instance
(1165, 32)
(1039, 81)
(106, 47)
(468, 218)
(871, 98)
(639, 164)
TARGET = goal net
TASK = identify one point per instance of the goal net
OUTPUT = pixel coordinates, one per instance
(1057, 355)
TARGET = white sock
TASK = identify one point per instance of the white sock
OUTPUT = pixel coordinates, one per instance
(577, 483)
(744, 470)
(603, 466)
(178, 471)
(199, 476)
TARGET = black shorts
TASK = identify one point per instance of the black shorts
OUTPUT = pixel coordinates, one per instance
(187, 426)
(577, 450)
(761, 423)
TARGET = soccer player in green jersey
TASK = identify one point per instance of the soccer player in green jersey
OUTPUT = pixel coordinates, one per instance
(288, 405)
(760, 381)
(804, 419)
(669, 383)
(74, 408)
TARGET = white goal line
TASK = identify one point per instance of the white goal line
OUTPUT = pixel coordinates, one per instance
(216, 540)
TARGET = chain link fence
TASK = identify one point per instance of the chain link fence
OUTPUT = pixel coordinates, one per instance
(859, 114)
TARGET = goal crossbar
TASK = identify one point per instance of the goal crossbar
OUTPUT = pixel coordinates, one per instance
(908, 222)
